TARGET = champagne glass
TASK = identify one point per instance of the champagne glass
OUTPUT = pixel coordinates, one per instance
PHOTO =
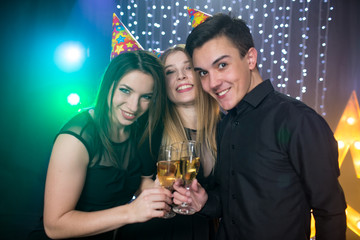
(167, 169)
(189, 168)
(176, 150)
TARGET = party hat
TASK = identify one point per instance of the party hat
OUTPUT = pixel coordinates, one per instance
(122, 39)
(157, 53)
(197, 17)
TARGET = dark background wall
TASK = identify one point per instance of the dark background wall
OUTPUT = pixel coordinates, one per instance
(32, 89)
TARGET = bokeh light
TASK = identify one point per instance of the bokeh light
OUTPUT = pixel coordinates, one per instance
(291, 37)
(73, 99)
(70, 56)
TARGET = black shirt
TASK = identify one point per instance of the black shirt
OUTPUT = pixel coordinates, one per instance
(277, 161)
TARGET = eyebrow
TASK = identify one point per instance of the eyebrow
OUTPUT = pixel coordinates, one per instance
(171, 65)
(124, 85)
(129, 88)
(214, 63)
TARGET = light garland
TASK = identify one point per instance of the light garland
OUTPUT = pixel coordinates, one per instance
(291, 45)
(323, 28)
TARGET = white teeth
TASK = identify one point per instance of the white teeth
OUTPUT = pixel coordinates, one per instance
(128, 114)
(184, 87)
(223, 92)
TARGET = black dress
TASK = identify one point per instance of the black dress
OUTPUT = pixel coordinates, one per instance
(106, 185)
(180, 227)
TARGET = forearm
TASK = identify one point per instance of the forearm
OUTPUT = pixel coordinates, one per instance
(146, 183)
(212, 207)
(149, 204)
(81, 224)
(331, 227)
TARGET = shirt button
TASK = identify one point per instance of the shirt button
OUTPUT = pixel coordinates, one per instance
(233, 196)
(232, 172)
(232, 146)
(233, 221)
(236, 123)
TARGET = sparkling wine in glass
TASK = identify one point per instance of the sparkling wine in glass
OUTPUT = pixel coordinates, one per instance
(189, 168)
(167, 168)
(166, 172)
(176, 149)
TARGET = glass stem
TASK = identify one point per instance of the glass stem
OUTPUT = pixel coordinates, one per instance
(184, 204)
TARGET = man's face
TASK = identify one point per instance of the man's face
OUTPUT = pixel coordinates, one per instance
(223, 73)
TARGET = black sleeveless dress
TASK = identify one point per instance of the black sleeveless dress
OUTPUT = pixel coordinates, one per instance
(106, 185)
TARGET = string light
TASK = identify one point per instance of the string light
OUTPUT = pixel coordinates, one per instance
(323, 26)
(291, 42)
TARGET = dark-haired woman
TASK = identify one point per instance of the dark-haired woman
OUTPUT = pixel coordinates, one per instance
(94, 168)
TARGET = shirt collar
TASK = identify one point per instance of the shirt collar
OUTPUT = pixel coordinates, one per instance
(255, 96)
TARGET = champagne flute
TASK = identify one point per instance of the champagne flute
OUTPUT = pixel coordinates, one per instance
(176, 150)
(167, 169)
(189, 168)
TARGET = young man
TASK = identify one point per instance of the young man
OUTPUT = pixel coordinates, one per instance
(277, 158)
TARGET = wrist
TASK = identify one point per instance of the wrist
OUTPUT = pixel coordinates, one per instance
(129, 213)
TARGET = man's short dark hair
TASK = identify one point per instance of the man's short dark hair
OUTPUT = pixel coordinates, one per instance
(218, 25)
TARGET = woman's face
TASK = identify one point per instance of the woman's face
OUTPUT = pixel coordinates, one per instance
(131, 97)
(180, 76)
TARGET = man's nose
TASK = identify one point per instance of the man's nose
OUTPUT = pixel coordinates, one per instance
(214, 81)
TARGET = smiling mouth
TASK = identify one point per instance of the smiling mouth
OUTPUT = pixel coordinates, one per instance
(222, 93)
(128, 116)
(184, 87)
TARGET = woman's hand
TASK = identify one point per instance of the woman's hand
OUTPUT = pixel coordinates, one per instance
(196, 197)
(151, 203)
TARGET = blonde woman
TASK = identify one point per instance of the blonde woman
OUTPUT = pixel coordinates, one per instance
(190, 113)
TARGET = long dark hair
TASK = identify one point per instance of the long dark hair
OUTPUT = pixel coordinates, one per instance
(120, 66)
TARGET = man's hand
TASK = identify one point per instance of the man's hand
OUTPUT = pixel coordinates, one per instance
(196, 197)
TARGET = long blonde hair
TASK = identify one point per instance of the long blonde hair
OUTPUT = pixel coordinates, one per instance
(207, 111)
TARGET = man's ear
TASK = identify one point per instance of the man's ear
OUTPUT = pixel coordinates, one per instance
(252, 58)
